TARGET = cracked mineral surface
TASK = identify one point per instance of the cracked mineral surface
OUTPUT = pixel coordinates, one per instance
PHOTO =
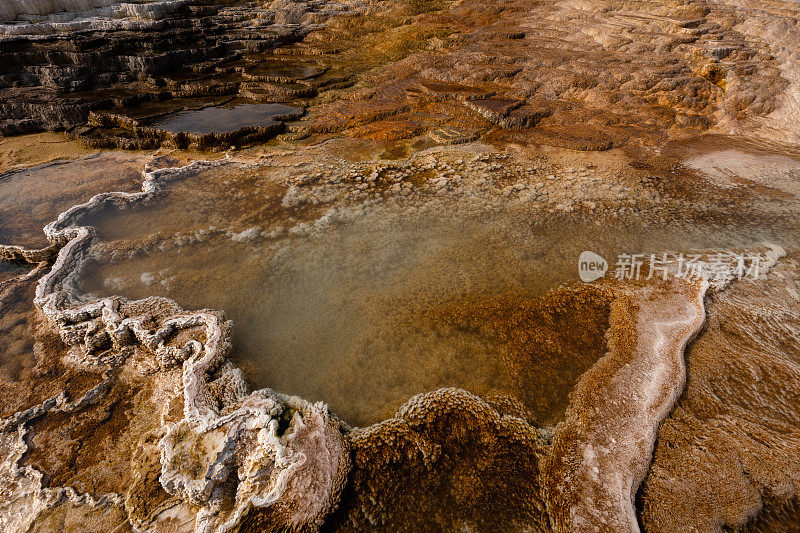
(422, 265)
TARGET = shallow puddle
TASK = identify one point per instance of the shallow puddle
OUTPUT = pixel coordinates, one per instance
(31, 198)
(280, 71)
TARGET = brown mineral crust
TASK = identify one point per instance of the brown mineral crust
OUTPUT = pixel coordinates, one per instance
(54, 81)
(146, 498)
(778, 515)
(145, 135)
(623, 336)
(31, 366)
(71, 518)
(36, 149)
(726, 458)
(226, 453)
(90, 450)
(667, 70)
(585, 139)
(448, 460)
(432, 466)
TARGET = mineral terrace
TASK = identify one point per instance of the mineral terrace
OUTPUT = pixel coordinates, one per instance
(306, 265)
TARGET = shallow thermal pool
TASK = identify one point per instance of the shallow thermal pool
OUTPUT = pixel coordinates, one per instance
(368, 313)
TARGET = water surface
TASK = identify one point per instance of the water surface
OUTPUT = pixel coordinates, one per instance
(226, 118)
(397, 302)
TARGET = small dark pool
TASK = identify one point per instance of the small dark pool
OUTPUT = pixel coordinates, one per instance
(282, 71)
(227, 118)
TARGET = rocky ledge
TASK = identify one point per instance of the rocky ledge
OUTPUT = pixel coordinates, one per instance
(56, 74)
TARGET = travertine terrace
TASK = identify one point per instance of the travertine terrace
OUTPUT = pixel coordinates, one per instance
(313, 265)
